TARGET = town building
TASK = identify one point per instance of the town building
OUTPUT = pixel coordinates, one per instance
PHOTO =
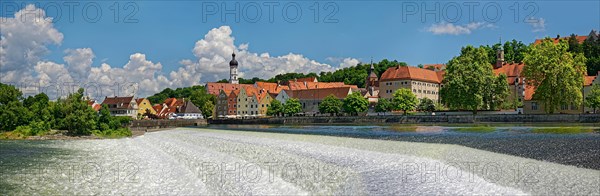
(144, 106)
(173, 108)
(311, 98)
(121, 106)
(264, 101)
(221, 107)
(424, 83)
(232, 103)
(371, 91)
(188, 111)
(516, 82)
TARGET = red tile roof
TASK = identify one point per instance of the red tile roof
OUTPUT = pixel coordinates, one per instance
(435, 66)
(510, 70)
(529, 91)
(580, 39)
(271, 87)
(95, 106)
(321, 93)
(214, 88)
(411, 73)
(309, 79)
(121, 102)
(589, 80)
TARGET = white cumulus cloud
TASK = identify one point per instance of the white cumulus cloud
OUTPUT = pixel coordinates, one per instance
(537, 24)
(453, 29)
(25, 38)
(23, 42)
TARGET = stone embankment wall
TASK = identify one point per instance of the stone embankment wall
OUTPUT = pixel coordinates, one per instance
(145, 125)
(481, 118)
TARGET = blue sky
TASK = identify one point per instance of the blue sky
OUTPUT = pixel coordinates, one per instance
(167, 31)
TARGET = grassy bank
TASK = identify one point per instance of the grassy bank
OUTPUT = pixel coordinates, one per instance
(26, 133)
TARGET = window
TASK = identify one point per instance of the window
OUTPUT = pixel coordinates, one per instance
(564, 107)
(534, 106)
(574, 107)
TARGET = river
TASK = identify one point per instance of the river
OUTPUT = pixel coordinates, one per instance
(302, 160)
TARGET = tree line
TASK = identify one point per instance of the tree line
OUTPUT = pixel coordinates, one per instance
(37, 115)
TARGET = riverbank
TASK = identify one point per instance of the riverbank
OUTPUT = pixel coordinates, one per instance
(61, 135)
(418, 119)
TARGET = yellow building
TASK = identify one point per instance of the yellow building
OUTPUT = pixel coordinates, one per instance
(264, 101)
(143, 106)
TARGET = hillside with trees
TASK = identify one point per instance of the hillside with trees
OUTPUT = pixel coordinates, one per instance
(354, 75)
(197, 94)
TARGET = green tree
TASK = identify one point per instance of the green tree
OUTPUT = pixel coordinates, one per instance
(104, 119)
(38, 106)
(275, 108)
(496, 92)
(81, 118)
(556, 74)
(9, 93)
(204, 101)
(292, 106)
(426, 105)
(593, 98)
(355, 103)
(467, 78)
(331, 105)
(403, 99)
(13, 114)
(383, 105)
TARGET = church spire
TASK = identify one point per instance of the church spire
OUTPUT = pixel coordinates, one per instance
(233, 66)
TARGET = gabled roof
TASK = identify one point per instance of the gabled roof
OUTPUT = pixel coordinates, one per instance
(589, 80)
(510, 70)
(139, 101)
(271, 87)
(189, 107)
(121, 102)
(173, 102)
(95, 106)
(321, 93)
(411, 73)
(214, 88)
(234, 94)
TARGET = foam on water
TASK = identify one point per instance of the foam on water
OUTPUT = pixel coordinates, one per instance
(208, 162)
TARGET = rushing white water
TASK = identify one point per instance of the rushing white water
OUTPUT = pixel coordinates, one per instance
(204, 161)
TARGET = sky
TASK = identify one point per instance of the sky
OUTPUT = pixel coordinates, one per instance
(142, 47)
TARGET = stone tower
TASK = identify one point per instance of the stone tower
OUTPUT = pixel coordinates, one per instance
(372, 80)
(233, 69)
(499, 58)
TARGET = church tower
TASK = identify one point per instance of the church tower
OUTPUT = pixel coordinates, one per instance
(499, 58)
(372, 80)
(233, 69)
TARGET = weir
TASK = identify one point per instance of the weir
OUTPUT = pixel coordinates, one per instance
(415, 119)
(145, 125)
